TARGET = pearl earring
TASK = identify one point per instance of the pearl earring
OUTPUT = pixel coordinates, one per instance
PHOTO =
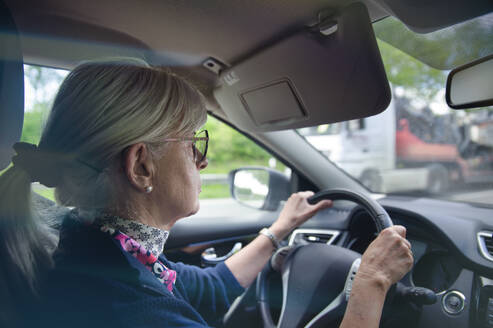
(148, 189)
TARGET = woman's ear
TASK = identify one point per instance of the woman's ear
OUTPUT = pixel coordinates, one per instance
(138, 166)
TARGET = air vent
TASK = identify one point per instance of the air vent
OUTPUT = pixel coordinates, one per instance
(306, 236)
(485, 241)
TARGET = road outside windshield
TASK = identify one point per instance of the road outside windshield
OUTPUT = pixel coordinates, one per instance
(418, 145)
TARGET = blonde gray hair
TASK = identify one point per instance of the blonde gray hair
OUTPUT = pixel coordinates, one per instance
(101, 108)
(104, 107)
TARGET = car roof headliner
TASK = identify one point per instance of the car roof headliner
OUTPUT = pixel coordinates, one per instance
(182, 34)
(194, 30)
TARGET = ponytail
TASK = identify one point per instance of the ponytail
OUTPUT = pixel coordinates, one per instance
(25, 241)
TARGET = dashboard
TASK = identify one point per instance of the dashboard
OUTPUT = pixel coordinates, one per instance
(451, 243)
(449, 257)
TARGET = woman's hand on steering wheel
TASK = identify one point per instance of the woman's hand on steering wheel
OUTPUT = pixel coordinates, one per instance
(334, 286)
(296, 211)
(387, 259)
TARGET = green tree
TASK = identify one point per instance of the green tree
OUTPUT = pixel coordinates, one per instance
(228, 145)
(416, 77)
(43, 82)
(443, 49)
(423, 64)
(31, 131)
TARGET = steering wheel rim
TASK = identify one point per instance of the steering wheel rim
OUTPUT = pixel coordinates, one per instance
(340, 265)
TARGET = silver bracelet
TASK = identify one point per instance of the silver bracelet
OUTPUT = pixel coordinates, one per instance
(266, 232)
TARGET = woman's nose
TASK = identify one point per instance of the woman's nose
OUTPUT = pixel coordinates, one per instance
(203, 164)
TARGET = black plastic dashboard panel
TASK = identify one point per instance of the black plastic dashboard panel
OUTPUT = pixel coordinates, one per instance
(436, 270)
(452, 224)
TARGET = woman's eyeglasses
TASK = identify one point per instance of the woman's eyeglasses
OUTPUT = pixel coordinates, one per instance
(200, 143)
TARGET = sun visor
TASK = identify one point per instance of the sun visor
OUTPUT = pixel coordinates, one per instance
(320, 75)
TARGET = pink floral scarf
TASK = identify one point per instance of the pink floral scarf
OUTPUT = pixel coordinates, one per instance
(148, 259)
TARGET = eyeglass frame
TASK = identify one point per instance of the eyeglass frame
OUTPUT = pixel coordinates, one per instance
(194, 140)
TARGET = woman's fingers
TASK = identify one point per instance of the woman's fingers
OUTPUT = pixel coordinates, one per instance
(322, 205)
(309, 209)
(297, 210)
(400, 230)
(305, 194)
(407, 243)
(388, 258)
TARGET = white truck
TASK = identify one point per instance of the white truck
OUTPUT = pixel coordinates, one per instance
(385, 155)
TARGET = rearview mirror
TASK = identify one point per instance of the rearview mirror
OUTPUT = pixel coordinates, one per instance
(471, 85)
(259, 187)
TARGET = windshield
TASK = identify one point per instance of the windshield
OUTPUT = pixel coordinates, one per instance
(418, 145)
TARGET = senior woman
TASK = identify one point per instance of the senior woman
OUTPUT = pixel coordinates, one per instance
(121, 148)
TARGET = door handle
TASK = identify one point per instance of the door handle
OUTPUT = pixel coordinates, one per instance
(210, 258)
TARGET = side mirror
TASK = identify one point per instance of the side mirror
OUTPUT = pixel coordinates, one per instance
(471, 85)
(259, 187)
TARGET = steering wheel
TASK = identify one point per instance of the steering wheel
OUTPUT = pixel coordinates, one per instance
(315, 275)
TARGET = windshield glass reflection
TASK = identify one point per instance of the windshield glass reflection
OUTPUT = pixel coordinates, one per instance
(418, 145)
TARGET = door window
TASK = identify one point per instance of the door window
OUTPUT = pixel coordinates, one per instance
(229, 150)
(41, 85)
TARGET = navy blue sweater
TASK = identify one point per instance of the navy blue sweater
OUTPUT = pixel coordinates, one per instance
(97, 284)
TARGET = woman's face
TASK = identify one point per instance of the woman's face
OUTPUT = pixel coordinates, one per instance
(177, 188)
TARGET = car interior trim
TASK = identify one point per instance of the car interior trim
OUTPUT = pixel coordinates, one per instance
(453, 293)
(482, 244)
(333, 233)
(221, 240)
(342, 298)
